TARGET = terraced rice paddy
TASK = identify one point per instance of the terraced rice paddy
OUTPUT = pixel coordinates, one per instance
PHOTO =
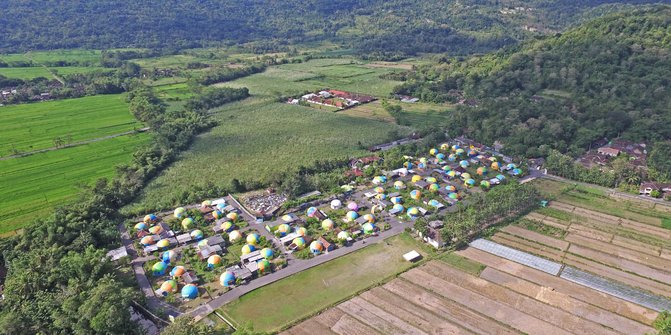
(614, 280)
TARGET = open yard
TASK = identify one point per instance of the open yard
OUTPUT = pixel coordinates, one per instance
(258, 138)
(273, 306)
(33, 185)
(341, 74)
(29, 127)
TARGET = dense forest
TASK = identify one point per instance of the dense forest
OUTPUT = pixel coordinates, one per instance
(607, 78)
(376, 28)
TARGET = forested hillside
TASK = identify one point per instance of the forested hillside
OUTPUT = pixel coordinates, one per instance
(377, 27)
(607, 78)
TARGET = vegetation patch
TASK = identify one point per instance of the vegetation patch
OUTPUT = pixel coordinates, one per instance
(462, 263)
(541, 228)
(555, 213)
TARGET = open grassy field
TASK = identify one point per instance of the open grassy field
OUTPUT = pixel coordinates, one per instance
(33, 185)
(175, 91)
(75, 55)
(342, 74)
(419, 114)
(300, 295)
(29, 127)
(258, 137)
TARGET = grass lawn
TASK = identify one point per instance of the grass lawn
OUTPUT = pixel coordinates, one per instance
(33, 185)
(29, 127)
(279, 304)
(257, 138)
(176, 91)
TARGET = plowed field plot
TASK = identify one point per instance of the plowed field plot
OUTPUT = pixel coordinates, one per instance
(612, 277)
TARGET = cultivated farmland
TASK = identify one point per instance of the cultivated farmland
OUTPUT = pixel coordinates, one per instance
(414, 114)
(33, 185)
(28, 73)
(257, 138)
(30, 127)
(81, 56)
(614, 279)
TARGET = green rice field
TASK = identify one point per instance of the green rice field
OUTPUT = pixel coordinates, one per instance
(76, 55)
(28, 73)
(32, 186)
(257, 138)
(30, 127)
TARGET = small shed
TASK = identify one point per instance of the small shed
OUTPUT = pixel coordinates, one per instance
(412, 256)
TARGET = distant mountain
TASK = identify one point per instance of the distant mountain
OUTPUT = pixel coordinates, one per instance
(391, 27)
(605, 78)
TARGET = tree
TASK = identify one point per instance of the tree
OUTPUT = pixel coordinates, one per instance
(185, 325)
(659, 161)
(656, 194)
(663, 323)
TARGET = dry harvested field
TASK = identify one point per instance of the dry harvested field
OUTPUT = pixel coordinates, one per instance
(508, 297)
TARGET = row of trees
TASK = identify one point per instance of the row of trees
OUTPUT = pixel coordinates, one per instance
(503, 202)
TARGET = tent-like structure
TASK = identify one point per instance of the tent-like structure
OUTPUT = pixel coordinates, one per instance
(460, 152)
(343, 235)
(441, 157)
(495, 166)
(177, 271)
(169, 256)
(444, 147)
(368, 228)
(352, 215)
(267, 253)
(263, 265)
(159, 268)
(472, 153)
(179, 212)
(455, 147)
(452, 157)
(287, 218)
(217, 214)
(500, 177)
(301, 231)
(247, 249)
(187, 223)
(227, 226)
(484, 184)
(452, 174)
(227, 279)
(435, 203)
(453, 195)
(450, 188)
(197, 234)
(220, 206)
(376, 209)
(283, 229)
(416, 178)
(482, 171)
(415, 194)
(433, 152)
(511, 166)
(233, 216)
(396, 200)
(379, 180)
(336, 204)
(447, 168)
(369, 217)
(202, 243)
(169, 286)
(381, 196)
(352, 206)
(150, 218)
(408, 165)
(164, 243)
(413, 212)
(469, 182)
(140, 226)
(423, 160)
(431, 180)
(379, 190)
(434, 187)
(234, 236)
(206, 203)
(465, 176)
(327, 224)
(253, 239)
(213, 261)
(190, 291)
(464, 164)
(157, 229)
(399, 185)
(517, 172)
(316, 247)
(311, 212)
(399, 208)
(299, 242)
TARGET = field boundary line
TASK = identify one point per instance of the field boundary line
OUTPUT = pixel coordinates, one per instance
(76, 144)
